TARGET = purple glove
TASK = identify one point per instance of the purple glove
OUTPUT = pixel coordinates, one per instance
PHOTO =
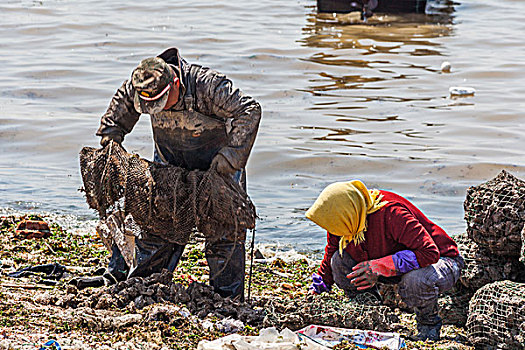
(318, 286)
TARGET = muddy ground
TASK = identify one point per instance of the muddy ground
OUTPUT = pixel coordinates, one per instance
(166, 311)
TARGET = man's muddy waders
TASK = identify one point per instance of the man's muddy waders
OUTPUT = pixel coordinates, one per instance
(226, 259)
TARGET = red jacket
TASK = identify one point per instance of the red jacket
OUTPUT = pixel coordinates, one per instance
(399, 225)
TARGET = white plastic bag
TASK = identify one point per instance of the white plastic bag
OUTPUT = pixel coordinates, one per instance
(268, 339)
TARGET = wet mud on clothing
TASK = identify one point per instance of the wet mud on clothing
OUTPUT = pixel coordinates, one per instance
(225, 257)
(210, 117)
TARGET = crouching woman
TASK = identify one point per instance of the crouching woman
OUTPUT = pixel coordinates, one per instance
(376, 235)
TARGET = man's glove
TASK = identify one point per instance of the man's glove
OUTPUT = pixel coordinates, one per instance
(222, 165)
(111, 137)
(366, 273)
(318, 286)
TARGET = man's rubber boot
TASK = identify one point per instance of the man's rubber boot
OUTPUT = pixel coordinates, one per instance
(226, 261)
(153, 257)
(117, 267)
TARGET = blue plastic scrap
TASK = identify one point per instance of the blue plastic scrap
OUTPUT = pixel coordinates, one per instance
(51, 345)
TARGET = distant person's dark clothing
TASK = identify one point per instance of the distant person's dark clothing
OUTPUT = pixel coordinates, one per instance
(379, 6)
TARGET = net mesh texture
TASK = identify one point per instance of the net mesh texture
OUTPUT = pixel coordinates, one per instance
(365, 312)
(495, 214)
(454, 304)
(483, 267)
(165, 200)
(497, 316)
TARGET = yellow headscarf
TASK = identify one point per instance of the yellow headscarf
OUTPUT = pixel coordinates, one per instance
(341, 209)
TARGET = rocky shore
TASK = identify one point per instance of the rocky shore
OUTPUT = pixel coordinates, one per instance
(167, 311)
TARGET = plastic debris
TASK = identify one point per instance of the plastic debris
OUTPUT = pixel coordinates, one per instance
(33, 229)
(461, 91)
(445, 67)
(53, 271)
(184, 312)
(207, 325)
(229, 325)
(4, 263)
(268, 338)
(51, 344)
(331, 336)
(312, 337)
(120, 230)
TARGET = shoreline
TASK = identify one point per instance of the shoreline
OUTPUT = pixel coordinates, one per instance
(279, 288)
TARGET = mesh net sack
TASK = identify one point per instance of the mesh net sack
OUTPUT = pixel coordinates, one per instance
(390, 295)
(329, 311)
(454, 304)
(169, 201)
(495, 214)
(497, 316)
(483, 267)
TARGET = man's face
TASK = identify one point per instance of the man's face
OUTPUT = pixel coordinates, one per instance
(173, 95)
(145, 103)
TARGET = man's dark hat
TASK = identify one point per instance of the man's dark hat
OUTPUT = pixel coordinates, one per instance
(151, 79)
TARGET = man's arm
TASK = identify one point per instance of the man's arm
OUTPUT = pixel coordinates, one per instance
(121, 116)
(216, 92)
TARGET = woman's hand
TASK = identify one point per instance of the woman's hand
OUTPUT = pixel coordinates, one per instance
(366, 273)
